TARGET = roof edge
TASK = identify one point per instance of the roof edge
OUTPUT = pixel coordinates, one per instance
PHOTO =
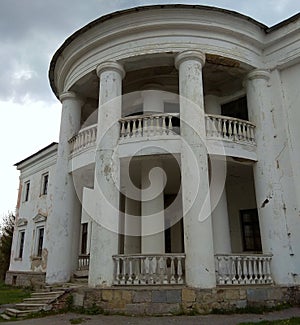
(130, 10)
(36, 153)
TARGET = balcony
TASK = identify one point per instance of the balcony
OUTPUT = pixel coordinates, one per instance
(147, 269)
(225, 135)
(243, 269)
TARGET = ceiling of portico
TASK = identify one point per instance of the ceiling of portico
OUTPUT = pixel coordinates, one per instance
(221, 76)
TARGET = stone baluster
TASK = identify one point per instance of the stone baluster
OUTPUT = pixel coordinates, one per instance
(179, 271)
(117, 266)
(136, 271)
(235, 132)
(123, 129)
(143, 271)
(123, 276)
(165, 279)
(230, 129)
(140, 129)
(219, 128)
(170, 124)
(245, 270)
(164, 130)
(172, 278)
(145, 126)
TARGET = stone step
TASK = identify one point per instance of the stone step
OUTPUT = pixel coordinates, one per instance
(30, 306)
(18, 313)
(81, 274)
(39, 300)
(5, 317)
(47, 294)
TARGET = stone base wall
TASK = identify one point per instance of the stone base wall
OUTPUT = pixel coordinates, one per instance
(176, 300)
(25, 279)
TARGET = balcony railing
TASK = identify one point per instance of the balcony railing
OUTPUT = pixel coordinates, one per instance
(83, 262)
(84, 139)
(229, 128)
(243, 269)
(164, 269)
(148, 125)
(218, 127)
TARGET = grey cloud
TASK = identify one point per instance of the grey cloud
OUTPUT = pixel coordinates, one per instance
(32, 30)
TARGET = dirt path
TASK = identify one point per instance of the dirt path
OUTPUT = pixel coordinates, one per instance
(64, 319)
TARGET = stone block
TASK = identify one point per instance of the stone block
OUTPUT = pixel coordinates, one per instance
(127, 296)
(257, 294)
(232, 294)
(159, 296)
(136, 309)
(78, 299)
(188, 295)
(141, 296)
(162, 309)
(174, 296)
(107, 295)
(275, 294)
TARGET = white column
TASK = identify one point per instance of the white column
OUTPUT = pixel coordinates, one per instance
(132, 227)
(212, 104)
(104, 241)
(200, 266)
(152, 208)
(271, 208)
(63, 223)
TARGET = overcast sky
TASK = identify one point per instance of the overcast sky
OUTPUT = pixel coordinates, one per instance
(30, 33)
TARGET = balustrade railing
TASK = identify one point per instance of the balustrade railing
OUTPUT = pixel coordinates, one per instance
(84, 139)
(83, 262)
(165, 269)
(148, 125)
(229, 128)
(243, 269)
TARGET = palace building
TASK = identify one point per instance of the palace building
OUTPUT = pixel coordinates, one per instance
(178, 161)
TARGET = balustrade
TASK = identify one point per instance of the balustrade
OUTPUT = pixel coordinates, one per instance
(166, 269)
(243, 269)
(84, 139)
(83, 262)
(148, 125)
(229, 128)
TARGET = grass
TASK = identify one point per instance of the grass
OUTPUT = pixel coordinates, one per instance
(291, 321)
(11, 295)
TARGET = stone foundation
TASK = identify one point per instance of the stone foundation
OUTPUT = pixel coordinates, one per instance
(175, 300)
(25, 279)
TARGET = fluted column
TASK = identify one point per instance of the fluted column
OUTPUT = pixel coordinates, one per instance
(200, 268)
(63, 223)
(104, 241)
(271, 208)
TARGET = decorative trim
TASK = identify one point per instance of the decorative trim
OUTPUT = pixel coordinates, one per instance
(110, 66)
(39, 218)
(189, 55)
(21, 222)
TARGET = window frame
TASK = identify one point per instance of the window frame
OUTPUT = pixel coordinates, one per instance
(26, 191)
(21, 243)
(44, 184)
(39, 245)
(255, 230)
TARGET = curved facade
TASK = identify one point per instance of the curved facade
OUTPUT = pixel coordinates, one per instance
(177, 157)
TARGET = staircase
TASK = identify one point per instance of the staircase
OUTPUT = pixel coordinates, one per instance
(37, 302)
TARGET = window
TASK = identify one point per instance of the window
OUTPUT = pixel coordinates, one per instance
(237, 108)
(27, 189)
(84, 237)
(45, 179)
(250, 230)
(21, 243)
(40, 239)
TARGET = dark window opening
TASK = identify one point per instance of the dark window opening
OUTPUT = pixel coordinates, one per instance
(237, 109)
(40, 241)
(250, 230)
(21, 244)
(27, 188)
(84, 237)
(45, 184)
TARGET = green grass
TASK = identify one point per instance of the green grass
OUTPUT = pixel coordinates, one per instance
(11, 295)
(291, 321)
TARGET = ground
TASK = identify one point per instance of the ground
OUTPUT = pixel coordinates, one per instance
(71, 318)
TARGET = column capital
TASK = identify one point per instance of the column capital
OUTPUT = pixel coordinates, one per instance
(110, 66)
(70, 95)
(189, 55)
(258, 74)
